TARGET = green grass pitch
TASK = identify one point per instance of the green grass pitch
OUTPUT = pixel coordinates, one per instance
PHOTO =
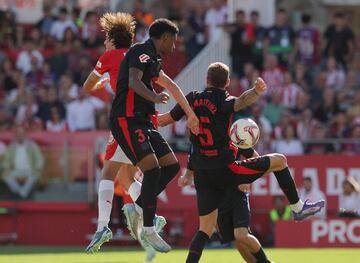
(10, 254)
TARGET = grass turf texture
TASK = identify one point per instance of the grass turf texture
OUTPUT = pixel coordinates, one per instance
(16, 254)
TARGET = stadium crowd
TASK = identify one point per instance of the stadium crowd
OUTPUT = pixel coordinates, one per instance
(314, 92)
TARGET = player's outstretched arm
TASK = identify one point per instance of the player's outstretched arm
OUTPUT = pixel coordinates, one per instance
(250, 96)
(139, 87)
(94, 82)
(174, 89)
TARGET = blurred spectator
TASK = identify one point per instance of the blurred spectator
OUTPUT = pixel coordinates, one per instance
(30, 52)
(247, 80)
(31, 122)
(28, 105)
(47, 78)
(7, 26)
(265, 127)
(93, 41)
(58, 61)
(335, 76)
(242, 39)
(69, 37)
(354, 109)
(59, 26)
(197, 25)
(23, 164)
(302, 77)
(259, 33)
(279, 129)
(290, 144)
(281, 211)
(307, 43)
(215, 17)
(316, 92)
(339, 126)
(46, 22)
(302, 103)
(81, 112)
(274, 110)
(51, 100)
(349, 200)
(272, 74)
(83, 70)
(8, 76)
(328, 107)
(141, 16)
(319, 145)
(90, 25)
(305, 125)
(68, 90)
(289, 91)
(279, 39)
(340, 41)
(312, 193)
(36, 37)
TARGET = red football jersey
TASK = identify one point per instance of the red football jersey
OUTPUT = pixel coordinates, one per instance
(110, 62)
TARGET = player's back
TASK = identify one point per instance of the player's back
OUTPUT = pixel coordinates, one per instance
(214, 109)
(110, 62)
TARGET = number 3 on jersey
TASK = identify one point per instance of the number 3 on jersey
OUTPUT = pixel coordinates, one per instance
(206, 138)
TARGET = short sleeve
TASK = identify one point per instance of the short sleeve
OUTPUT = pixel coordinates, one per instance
(102, 65)
(138, 57)
(177, 112)
(228, 105)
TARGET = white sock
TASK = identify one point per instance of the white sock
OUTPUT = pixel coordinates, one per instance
(106, 194)
(134, 192)
(297, 207)
(149, 229)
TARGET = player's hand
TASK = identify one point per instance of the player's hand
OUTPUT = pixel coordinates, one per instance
(193, 124)
(185, 180)
(260, 86)
(161, 120)
(162, 98)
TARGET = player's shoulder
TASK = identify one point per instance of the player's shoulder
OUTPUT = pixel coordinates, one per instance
(140, 47)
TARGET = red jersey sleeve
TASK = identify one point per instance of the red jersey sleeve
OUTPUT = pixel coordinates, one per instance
(102, 65)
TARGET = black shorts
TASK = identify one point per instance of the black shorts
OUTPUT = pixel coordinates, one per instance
(234, 212)
(138, 138)
(211, 185)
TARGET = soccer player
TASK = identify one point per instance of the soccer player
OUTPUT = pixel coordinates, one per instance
(234, 215)
(234, 210)
(215, 168)
(119, 29)
(130, 123)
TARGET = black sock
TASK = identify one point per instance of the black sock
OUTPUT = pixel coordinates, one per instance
(287, 185)
(196, 247)
(167, 174)
(260, 256)
(148, 194)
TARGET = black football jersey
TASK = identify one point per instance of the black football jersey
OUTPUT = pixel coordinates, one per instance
(214, 108)
(126, 102)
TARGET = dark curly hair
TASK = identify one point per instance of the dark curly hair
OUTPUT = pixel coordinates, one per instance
(161, 26)
(119, 27)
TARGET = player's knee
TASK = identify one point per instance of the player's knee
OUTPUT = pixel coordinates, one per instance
(279, 161)
(242, 237)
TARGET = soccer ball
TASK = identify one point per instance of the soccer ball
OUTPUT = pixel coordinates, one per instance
(244, 133)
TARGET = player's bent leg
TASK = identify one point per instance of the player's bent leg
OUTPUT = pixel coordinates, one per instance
(244, 252)
(150, 167)
(278, 165)
(206, 229)
(252, 245)
(105, 196)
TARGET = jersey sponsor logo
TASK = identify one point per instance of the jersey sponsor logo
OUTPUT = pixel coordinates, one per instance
(98, 64)
(144, 58)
